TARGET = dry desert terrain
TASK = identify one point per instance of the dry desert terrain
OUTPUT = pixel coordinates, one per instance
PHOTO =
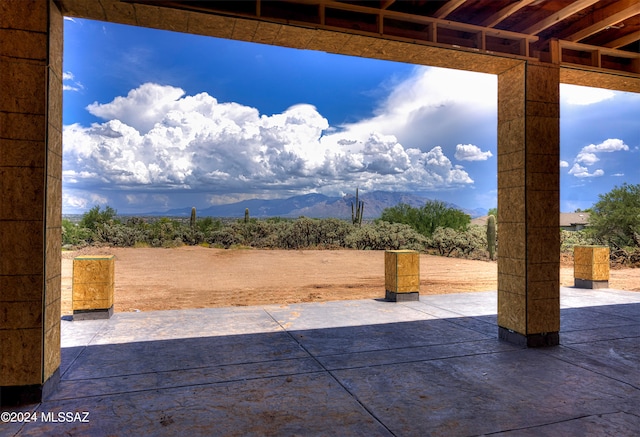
(197, 277)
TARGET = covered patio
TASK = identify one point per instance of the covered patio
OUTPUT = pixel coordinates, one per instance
(368, 367)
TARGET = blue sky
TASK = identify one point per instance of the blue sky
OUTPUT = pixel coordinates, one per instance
(157, 120)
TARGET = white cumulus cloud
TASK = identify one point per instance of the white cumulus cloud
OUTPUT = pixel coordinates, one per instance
(583, 96)
(582, 172)
(469, 152)
(158, 137)
(564, 164)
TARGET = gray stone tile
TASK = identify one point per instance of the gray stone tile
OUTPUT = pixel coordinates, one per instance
(396, 357)
(107, 360)
(618, 424)
(362, 338)
(310, 404)
(483, 394)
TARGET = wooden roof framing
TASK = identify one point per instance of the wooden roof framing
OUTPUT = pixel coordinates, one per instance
(601, 36)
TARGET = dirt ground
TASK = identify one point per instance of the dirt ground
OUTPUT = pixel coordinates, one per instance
(197, 277)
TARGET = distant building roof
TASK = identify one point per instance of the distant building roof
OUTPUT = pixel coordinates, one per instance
(567, 219)
(574, 218)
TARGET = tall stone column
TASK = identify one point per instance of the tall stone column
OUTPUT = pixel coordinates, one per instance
(30, 198)
(529, 204)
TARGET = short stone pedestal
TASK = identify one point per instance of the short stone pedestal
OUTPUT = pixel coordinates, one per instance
(402, 275)
(591, 267)
(93, 284)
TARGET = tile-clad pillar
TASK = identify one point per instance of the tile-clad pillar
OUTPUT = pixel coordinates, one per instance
(30, 198)
(529, 204)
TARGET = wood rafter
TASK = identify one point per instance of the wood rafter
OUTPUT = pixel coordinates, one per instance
(506, 12)
(386, 4)
(448, 8)
(610, 20)
(556, 18)
(623, 41)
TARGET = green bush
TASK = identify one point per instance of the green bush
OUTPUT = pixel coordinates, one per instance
(432, 215)
(74, 235)
(469, 243)
(385, 236)
(569, 239)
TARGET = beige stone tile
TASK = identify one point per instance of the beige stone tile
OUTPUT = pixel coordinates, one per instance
(25, 239)
(511, 207)
(543, 82)
(51, 358)
(53, 213)
(511, 136)
(244, 30)
(27, 82)
(94, 304)
(21, 315)
(21, 287)
(55, 105)
(543, 245)
(511, 178)
(125, 13)
(543, 315)
(542, 109)
(543, 135)
(543, 208)
(29, 127)
(512, 311)
(539, 289)
(511, 161)
(549, 271)
(20, 362)
(514, 284)
(17, 153)
(512, 266)
(23, 44)
(511, 93)
(24, 14)
(53, 290)
(56, 40)
(294, 37)
(52, 314)
(330, 42)
(222, 27)
(21, 193)
(542, 163)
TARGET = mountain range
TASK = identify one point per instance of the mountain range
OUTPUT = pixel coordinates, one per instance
(314, 205)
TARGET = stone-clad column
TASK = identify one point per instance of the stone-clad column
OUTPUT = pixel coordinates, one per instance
(529, 204)
(30, 198)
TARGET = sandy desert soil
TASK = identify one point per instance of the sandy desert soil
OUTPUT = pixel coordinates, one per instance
(198, 277)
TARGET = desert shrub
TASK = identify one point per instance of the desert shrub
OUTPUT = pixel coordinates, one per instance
(224, 237)
(95, 216)
(117, 234)
(449, 242)
(426, 219)
(74, 235)
(615, 218)
(569, 239)
(385, 236)
(164, 231)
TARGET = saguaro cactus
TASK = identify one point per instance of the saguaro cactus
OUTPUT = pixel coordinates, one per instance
(356, 214)
(491, 237)
(246, 215)
(192, 222)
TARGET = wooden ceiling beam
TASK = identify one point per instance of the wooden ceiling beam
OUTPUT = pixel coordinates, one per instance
(556, 18)
(385, 4)
(623, 41)
(609, 21)
(506, 12)
(448, 8)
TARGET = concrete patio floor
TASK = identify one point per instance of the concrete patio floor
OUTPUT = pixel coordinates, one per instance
(361, 368)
